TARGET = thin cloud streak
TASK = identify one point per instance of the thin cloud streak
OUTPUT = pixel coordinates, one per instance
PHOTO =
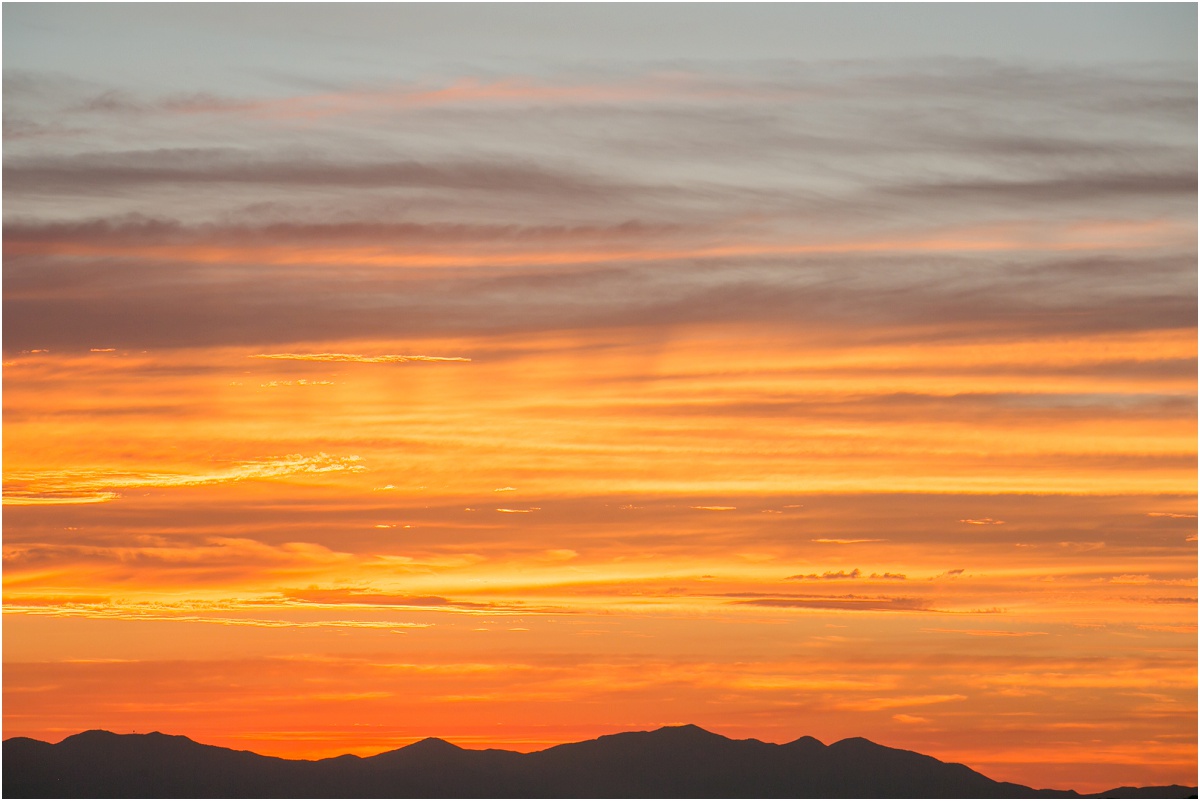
(83, 486)
(353, 357)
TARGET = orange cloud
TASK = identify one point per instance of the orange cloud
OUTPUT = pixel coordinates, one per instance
(353, 357)
(97, 486)
(873, 704)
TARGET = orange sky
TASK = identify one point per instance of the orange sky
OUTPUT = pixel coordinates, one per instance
(564, 537)
(517, 410)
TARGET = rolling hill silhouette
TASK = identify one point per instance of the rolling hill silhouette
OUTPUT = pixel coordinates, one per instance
(672, 762)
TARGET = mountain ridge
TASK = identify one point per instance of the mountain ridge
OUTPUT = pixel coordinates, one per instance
(670, 762)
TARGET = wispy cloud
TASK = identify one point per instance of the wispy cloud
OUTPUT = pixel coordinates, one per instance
(861, 603)
(303, 382)
(354, 357)
(988, 632)
(19, 497)
(97, 486)
(876, 704)
(149, 613)
(841, 574)
(836, 541)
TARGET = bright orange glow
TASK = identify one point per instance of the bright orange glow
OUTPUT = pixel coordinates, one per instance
(399, 538)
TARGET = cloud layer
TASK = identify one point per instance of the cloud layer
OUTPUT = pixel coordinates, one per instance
(424, 392)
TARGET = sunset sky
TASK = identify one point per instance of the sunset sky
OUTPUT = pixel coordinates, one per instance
(518, 374)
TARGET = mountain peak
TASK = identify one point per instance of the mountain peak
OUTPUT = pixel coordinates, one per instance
(686, 728)
(806, 740)
(432, 745)
(857, 742)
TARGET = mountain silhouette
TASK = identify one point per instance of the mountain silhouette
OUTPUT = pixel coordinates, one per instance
(672, 762)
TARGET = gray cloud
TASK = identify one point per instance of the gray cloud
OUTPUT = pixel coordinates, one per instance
(76, 302)
(1060, 188)
(108, 172)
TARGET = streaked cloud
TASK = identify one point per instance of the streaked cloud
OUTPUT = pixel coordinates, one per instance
(988, 632)
(353, 357)
(96, 486)
(17, 497)
(860, 603)
(841, 574)
(127, 613)
(873, 704)
(302, 382)
(829, 541)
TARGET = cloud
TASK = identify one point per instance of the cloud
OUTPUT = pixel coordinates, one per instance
(715, 508)
(983, 521)
(145, 612)
(19, 497)
(841, 574)
(205, 560)
(1128, 578)
(877, 704)
(303, 382)
(120, 102)
(352, 357)
(116, 171)
(1055, 190)
(860, 603)
(1188, 628)
(366, 600)
(988, 632)
(97, 486)
(508, 92)
(829, 541)
(135, 294)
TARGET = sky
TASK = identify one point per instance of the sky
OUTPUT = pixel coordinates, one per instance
(518, 374)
